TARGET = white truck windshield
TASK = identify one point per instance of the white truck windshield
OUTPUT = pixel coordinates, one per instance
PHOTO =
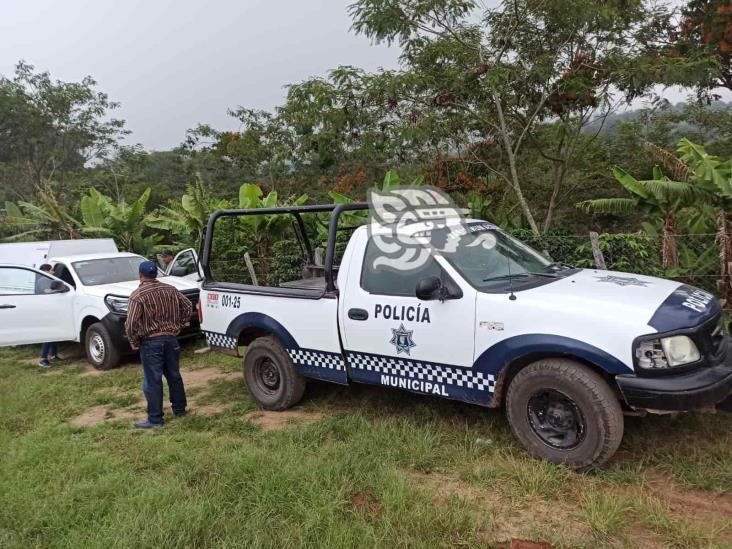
(485, 255)
(112, 270)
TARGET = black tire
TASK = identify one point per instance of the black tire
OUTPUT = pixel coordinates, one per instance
(270, 375)
(101, 352)
(563, 412)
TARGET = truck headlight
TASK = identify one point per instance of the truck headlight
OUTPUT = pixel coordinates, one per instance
(680, 350)
(116, 304)
(666, 352)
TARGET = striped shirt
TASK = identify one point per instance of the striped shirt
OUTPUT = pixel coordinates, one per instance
(156, 309)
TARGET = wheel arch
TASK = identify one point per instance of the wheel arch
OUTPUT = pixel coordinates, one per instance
(505, 359)
(87, 321)
(250, 326)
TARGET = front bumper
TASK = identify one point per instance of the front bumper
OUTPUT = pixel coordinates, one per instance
(115, 325)
(706, 386)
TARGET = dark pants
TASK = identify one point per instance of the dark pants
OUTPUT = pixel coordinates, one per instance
(49, 349)
(160, 358)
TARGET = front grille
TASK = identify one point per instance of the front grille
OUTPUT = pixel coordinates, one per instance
(193, 296)
(710, 338)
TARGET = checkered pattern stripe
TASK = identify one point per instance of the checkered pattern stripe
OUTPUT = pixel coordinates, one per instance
(220, 340)
(425, 371)
(317, 359)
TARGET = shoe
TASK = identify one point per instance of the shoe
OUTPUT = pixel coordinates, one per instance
(147, 424)
(44, 363)
(56, 358)
(180, 414)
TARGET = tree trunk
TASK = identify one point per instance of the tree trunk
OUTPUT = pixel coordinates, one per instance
(508, 147)
(559, 174)
(724, 241)
(669, 251)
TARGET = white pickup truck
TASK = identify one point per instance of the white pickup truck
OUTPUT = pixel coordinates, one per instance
(488, 321)
(88, 304)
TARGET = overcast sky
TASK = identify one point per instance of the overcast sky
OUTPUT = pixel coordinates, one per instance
(175, 63)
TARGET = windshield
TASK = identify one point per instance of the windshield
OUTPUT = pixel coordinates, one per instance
(96, 272)
(486, 256)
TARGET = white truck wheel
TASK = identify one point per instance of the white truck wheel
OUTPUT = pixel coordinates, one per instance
(563, 412)
(99, 347)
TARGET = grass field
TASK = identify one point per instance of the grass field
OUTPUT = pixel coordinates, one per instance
(350, 467)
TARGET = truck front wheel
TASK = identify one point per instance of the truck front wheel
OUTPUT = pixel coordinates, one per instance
(270, 375)
(563, 412)
(100, 349)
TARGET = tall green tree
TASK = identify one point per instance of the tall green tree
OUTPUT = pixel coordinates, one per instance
(49, 128)
(502, 71)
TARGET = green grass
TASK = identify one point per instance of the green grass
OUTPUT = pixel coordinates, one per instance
(382, 468)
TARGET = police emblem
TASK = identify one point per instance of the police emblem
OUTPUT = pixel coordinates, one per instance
(622, 280)
(402, 339)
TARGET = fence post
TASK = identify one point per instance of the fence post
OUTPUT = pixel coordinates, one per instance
(250, 266)
(596, 251)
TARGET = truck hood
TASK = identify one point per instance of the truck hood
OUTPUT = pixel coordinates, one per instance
(663, 305)
(126, 288)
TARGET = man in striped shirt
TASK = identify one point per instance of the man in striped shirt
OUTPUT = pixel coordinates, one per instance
(156, 315)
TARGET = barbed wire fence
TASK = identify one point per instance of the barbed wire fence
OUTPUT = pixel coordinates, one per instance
(636, 253)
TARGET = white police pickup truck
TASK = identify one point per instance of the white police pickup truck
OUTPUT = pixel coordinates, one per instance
(482, 319)
(88, 303)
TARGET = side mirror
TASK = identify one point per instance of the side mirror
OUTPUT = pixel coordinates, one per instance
(178, 271)
(429, 288)
(59, 287)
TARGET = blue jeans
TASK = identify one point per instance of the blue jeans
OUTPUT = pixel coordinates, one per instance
(160, 357)
(49, 349)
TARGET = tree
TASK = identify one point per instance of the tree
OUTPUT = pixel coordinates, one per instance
(658, 198)
(706, 30)
(504, 72)
(50, 127)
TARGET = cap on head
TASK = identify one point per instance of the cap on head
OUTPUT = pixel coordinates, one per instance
(149, 269)
(46, 267)
(166, 253)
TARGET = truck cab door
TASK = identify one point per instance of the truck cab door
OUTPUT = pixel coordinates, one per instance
(391, 337)
(30, 311)
(185, 265)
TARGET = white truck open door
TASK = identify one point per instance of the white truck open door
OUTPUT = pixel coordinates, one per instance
(30, 312)
(185, 265)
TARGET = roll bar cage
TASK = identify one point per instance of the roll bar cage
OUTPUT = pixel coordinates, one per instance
(335, 212)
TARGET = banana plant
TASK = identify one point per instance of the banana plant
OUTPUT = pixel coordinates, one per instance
(659, 198)
(714, 175)
(185, 221)
(46, 219)
(126, 223)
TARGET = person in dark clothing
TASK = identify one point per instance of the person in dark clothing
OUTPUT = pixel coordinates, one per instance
(157, 313)
(49, 351)
(166, 258)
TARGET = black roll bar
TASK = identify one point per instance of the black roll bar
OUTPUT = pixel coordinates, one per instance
(335, 212)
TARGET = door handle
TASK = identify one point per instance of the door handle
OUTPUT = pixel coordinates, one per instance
(7, 306)
(358, 314)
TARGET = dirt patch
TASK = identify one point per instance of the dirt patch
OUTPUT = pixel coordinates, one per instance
(510, 522)
(367, 503)
(89, 370)
(204, 376)
(209, 409)
(191, 378)
(689, 502)
(275, 421)
(100, 414)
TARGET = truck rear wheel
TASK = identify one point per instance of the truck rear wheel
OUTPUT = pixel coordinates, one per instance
(100, 349)
(563, 412)
(270, 375)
